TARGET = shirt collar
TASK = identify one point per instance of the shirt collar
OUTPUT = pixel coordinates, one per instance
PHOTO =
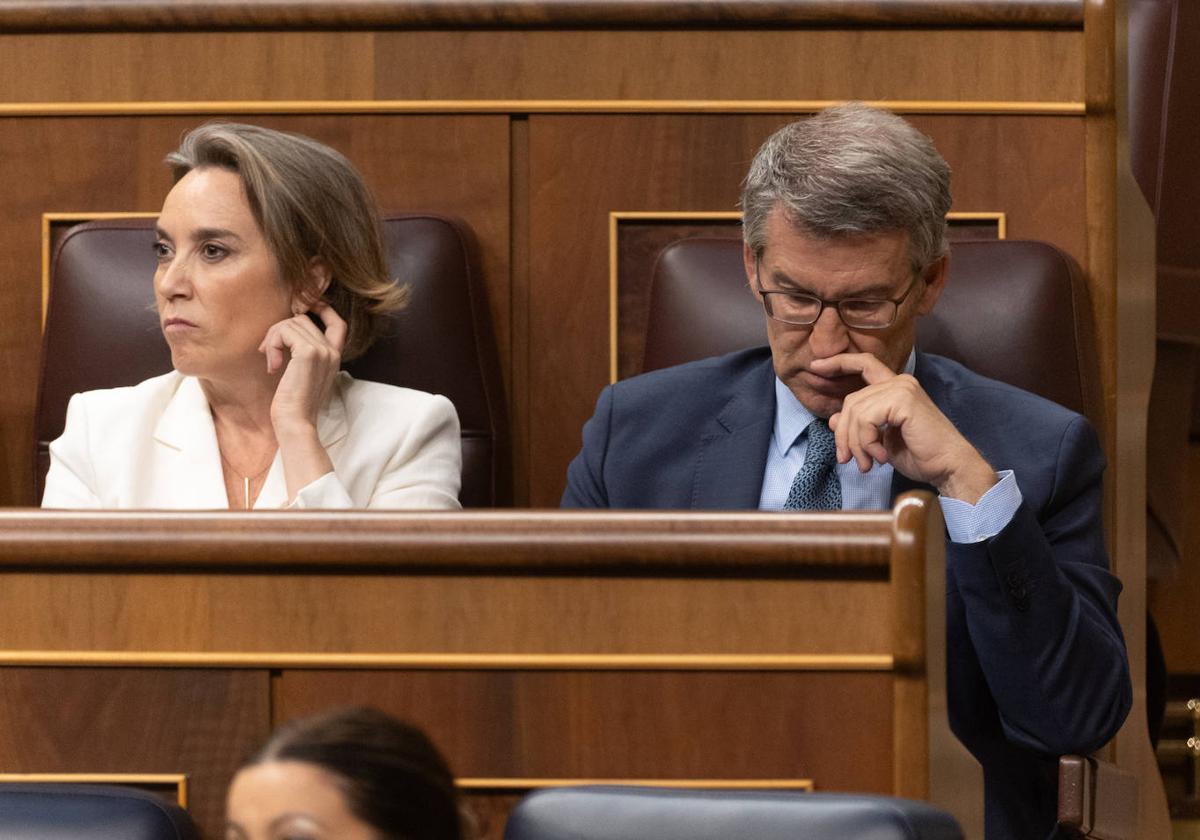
(792, 418)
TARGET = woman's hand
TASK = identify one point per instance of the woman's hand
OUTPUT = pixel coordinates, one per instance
(311, 360)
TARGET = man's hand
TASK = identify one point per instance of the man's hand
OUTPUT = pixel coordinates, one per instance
(892, 420)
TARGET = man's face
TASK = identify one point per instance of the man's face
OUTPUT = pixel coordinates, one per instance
(865, 266)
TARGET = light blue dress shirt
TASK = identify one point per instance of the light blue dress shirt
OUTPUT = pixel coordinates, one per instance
(965, 523)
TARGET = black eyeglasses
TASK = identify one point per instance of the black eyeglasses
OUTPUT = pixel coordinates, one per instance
(803, 309)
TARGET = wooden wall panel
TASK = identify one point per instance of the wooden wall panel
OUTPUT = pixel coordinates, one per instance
(449, 164)
(781, 64)
(598, 725)
(696, 163)
(163, 66)
(415, 614)
(84, 720)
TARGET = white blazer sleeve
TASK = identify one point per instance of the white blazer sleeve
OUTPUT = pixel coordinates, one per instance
(423, 469)
(71, 481)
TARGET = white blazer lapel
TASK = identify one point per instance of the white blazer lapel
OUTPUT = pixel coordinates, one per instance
(187, 469)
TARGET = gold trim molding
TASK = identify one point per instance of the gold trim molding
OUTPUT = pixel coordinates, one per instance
(457, 661)
(615, 217)
(525, 106)
(178, 780)
(522, 785)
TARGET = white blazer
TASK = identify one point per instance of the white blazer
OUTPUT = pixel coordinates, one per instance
(153, 445)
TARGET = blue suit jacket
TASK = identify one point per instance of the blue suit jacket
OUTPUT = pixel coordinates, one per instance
(1036, 663)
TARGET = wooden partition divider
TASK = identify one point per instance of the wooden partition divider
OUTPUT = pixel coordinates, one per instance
(780, 651)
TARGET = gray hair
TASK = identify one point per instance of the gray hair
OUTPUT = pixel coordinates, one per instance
(851, 169)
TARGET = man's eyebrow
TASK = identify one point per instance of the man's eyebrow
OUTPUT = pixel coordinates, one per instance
(784, 282)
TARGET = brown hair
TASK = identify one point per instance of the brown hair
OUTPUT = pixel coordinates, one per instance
(393, 777)
(309, 202)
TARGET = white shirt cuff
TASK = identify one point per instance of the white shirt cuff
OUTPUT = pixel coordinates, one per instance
(972, 523)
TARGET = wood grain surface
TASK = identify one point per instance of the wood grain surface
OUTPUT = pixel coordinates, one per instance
(599, 725)
(41, 15)
(81, 720)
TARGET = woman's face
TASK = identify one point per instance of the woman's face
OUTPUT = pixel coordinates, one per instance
(217, 284)
(289, 800)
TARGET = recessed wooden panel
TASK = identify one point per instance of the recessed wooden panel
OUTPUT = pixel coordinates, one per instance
(85, 720)
(455, 165)
(583, 168)
(412, 614)
(618, 725)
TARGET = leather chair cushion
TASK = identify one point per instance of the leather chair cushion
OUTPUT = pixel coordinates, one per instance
(1011, 310)
(102, 332)
(89, 812)
(627, 813)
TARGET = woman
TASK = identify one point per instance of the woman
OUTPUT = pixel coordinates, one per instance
(353, 774)
(270, 273)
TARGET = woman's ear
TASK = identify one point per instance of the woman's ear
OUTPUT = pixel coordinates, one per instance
(316, 281)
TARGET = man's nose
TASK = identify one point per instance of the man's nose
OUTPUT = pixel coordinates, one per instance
(829, 335)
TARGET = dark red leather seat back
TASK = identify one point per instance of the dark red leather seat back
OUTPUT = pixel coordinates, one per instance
(1015, 311)
(102, 332)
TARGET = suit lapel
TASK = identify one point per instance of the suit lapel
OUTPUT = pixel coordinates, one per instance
(733, 448)
(187, 471)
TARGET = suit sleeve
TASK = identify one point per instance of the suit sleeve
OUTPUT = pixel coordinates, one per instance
(1040, 610)
(423, 471)
(585, 475)
(71, 480)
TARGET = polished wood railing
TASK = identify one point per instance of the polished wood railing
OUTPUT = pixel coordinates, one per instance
(776, 650)
(155, 15)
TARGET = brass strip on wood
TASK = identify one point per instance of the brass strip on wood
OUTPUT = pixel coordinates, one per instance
(521, 785)
(178, 780)
(524, 106)
(455, 661)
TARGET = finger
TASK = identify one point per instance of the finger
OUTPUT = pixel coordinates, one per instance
(859, 434)
(336, 328)
(273, 347)
(865, 365)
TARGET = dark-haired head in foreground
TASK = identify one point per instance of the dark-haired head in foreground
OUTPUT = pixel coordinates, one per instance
(348, 774)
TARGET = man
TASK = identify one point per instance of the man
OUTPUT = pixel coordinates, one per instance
(845, 244)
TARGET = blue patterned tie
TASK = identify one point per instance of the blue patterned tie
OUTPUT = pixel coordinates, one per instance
(816, 485)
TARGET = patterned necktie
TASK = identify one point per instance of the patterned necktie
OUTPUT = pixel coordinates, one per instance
(816, 485)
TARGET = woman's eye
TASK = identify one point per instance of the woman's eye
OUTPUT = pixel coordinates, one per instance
(212, 252)
(162, 251)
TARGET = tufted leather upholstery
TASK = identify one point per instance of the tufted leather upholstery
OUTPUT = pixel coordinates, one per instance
(1014, 311)
(89, 812)
(102, 332)
(631, 813)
